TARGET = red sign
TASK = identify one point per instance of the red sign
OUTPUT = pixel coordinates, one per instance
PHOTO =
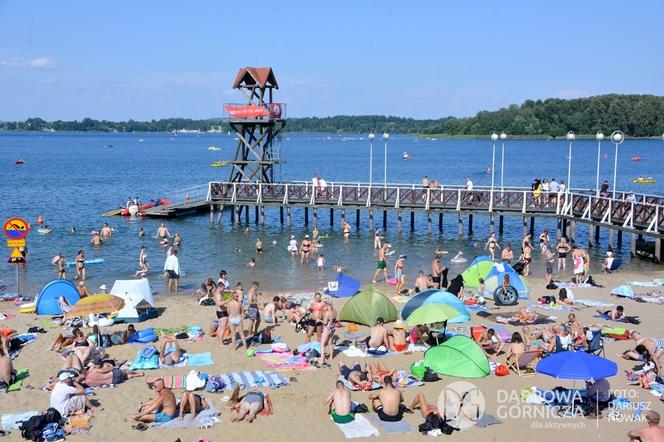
(16, 228)
(246, 111)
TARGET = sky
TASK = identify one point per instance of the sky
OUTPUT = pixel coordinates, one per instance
(423, 59)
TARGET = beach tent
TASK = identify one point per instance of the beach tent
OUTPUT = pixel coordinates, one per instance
(367, 306)
(47, 300)
(517, 281)
(344, 286)
(460, 357)
(479, 268)
(434, 296)
(624, 291)
(135, 292)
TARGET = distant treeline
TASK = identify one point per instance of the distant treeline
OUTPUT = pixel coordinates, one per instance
(635, 115)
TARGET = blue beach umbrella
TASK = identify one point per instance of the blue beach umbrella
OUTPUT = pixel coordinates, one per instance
(577, 365)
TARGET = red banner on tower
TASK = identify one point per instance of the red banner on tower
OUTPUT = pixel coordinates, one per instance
(246, 111)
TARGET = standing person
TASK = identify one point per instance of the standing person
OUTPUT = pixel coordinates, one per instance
(436, 271)
(253, 314)
(292, 246)
(259, 246)
(561, 189)
(177, 240)
(399, 273)
(377, 244)
(549, 257)
(7, 373)
(314, 235)
(172, 269)
(223, 280)
(235, 312)
(652, 433)
(425, 182)
(562, 248)
(340, 404)
(80, 266)
(83, 289)
(316, 309)
(96, 239)
(162, 232)
(141, 232)
(305, 250)
(221, 313)
(544, 240)
(346, 229)
(469, 188)
(527, 254)
(492, 244)
(106, 231)
(59, 260)
(329, 327)
(320, 262)
(507, 255)
(421, 282)
(577, 263)
(143, 261)
(381, 265)
(546, 189)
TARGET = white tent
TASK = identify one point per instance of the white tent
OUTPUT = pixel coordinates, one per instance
(134, 292)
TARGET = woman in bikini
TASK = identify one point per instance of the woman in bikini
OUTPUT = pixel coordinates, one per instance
(316, 308)
(527, 255)
(329, 327)
(397, 339)
(235, 312)
(516, 347)
(305, 249)
(379, 371)
(492, 244)
(562, 248)
(80, 266)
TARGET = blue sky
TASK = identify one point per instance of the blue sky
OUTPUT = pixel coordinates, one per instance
(424, 59)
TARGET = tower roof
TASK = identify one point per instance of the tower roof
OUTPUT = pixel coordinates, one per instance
(250, 76)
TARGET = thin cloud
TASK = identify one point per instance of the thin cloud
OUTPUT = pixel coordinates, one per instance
(35, 63)
(574, 93)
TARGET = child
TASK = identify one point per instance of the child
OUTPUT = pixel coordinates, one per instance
(481, 289)
(320, 262)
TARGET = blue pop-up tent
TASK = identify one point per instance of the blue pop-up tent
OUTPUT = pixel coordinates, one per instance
(346, 286)
(47, 301)
(434, 296)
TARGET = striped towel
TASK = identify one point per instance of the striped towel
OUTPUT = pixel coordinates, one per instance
(178, 382)
(250, 379)
(284, 361)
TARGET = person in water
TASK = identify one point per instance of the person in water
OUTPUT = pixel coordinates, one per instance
(106, 231)
(162, 232)
(96, 239)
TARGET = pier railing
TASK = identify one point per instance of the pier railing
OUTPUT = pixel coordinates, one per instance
(645, 213)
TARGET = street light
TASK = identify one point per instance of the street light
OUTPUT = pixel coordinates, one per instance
(371, 138)
(599, 136)
(617, 137)
(503, 137)
(494, 137)
(385, 137)
(570, 137)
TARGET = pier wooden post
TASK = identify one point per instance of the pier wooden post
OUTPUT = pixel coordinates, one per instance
(384, 219)
(221, 212)
(619, 241)
(460, 226)
(525, 226)
(429, 223)
(343, 215)
(500, 225)
(572, 231)
(658, 250)
(399, 221)
(632, 248)
(281, 215)
(611, 233)
(440, 222)
(357, 219)
(288, 216)
(564, 227)
(306, 216)
(532, 226)
(596, 234)
(236, 211)
(590, 235)
(370, 219)
(246, 214)
(412, 221)
(316, 217)
(559, 230)
(470, 224)
(263, 215)
(211, 213)
(332, 217)
(491, 225)
(256, 215)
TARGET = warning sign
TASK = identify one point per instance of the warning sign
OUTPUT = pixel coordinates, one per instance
(16, 228)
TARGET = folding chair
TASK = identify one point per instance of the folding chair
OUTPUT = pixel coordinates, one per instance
(596, 344)
(523, 364)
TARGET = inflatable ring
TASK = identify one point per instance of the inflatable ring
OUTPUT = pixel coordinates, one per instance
(506, 297)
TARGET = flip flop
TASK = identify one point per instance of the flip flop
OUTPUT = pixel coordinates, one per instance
(140, 427)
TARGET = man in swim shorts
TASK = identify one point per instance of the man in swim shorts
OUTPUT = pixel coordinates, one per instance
(160, 409)
(388, 402)
(340, 404)
(381, 265)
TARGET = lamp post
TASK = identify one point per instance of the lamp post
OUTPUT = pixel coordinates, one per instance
(599, 136)
(494, 137)
(617, 137)
(371, 138)
(385, 137)
(503, 137)
(570, 137)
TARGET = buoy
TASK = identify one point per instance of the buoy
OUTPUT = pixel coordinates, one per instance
(40, 220)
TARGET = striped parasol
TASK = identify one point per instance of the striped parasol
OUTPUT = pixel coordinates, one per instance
(102, 303)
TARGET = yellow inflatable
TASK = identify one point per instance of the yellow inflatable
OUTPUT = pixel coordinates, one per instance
(642, 180)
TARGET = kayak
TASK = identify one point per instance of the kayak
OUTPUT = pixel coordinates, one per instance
(87, 262)
(641, 180)
(219, 163)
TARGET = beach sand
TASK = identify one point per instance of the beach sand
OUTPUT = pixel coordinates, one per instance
(299, 413)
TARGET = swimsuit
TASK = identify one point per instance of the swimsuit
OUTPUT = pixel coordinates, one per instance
(222, 313)
(345, 371)
(254, 397)
(400, 347)
(386, 417)
(381, 264)
(252, 312)
(162, 417)
(345, 419)
(118, 376)
(236, 320)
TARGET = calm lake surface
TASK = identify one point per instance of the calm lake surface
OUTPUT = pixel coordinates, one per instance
(72, 178)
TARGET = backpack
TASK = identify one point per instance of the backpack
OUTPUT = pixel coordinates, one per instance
(430, 376)
(33, 428)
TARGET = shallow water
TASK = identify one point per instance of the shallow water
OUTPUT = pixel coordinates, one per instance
(71, 179)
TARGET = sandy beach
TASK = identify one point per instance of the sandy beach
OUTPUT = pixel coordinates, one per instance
(298, 408)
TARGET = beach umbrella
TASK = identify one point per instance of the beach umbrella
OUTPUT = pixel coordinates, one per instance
(435, 296)
(577, 365)
(432, 314)
(102, 303)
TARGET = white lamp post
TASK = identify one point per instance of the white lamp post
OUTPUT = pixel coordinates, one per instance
(503, 137)
(617, 137)
(371, 138)
(494, 137)
(385, 137)
(570, 137)
(599, 136)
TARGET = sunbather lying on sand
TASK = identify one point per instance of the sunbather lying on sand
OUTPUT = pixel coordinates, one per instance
(355, 375)
(170, 351)
(192, 403)
(247, 406)
(524, 315)
(379, 372)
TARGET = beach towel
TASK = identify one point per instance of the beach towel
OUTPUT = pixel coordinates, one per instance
(485, 420)
(508, 319)
(18, 381)
(205, 419)
(250, 379)
(199, 359)
(400, 427)
(145, 363)
(6, 316)
(593, 303)
(181, 363)
(360, 427)
(554, 307)
(285, 361)
(477, 307)
(13, 421)
(653, 283)
(571, 285)
(24, 339)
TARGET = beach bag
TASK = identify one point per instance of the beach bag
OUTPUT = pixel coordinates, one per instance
(502, 370)
(632, 320)
(430, 376)
(195, 332)
(33, 428)
(418, 370)
(106, 341)
(206, 301)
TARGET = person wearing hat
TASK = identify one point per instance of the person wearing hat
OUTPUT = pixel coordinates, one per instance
(103, 289)
(399, 273)
(397, 338)
(292, 246)
(305, 250)
(608, 262)
(68, 396)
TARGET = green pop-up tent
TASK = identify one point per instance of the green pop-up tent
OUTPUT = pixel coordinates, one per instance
(460, 357)
(367, 306)
(477, 269)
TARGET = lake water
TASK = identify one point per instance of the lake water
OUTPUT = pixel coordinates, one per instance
(71, 179)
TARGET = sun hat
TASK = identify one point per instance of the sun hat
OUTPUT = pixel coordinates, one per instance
(65, 375)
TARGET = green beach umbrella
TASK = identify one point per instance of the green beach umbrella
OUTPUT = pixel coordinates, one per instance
(432, 314)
